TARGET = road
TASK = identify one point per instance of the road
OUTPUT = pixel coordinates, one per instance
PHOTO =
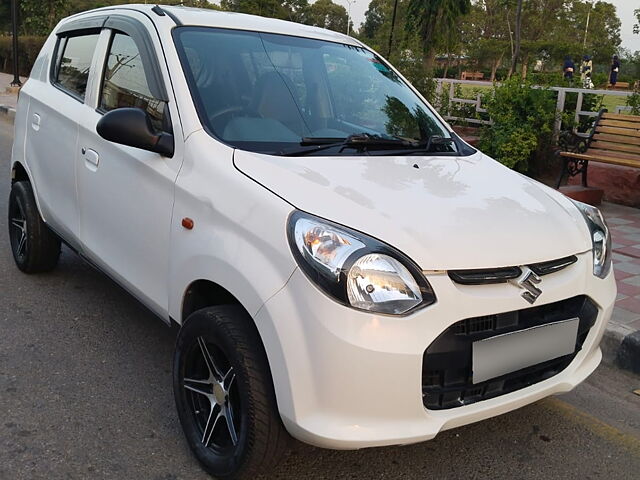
(85, 392)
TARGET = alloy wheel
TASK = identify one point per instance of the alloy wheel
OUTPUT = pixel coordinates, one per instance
(211, 390)
(18, 228)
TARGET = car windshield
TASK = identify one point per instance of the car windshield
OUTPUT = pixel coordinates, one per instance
(269, 93)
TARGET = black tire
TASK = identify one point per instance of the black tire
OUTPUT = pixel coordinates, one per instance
(35, 248)
(233, 343)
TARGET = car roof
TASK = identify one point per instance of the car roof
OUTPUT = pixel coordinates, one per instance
(239, 21)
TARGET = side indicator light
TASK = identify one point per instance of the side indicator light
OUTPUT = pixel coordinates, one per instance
(187, 223)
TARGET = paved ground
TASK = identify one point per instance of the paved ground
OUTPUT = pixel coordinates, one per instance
(85, 392)
(7, 99)
(624, 223)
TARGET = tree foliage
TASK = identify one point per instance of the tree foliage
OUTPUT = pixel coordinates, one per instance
(478, 33)
(326, 14)
(433, 21)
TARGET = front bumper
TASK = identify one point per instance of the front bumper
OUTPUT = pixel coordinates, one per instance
(347, 379)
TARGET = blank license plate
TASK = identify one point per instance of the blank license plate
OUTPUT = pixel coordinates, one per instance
(513, 351)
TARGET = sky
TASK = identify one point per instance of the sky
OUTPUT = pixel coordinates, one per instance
(624, 7)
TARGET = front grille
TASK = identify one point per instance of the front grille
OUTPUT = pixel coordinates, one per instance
(447, 365)
(484, 276)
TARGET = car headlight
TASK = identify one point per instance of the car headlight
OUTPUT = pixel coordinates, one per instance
(600, 238)
(355, 269)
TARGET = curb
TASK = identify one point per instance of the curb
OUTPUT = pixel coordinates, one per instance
(621, 347)
(8, 111)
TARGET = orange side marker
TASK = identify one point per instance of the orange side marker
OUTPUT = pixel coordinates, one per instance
(187, 223)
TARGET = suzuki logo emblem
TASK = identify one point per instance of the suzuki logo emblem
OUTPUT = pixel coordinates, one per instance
(528, 281)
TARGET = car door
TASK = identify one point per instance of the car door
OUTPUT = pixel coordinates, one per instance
(126, 194)
(56, 104)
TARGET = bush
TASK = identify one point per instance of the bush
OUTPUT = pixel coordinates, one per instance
(590, 103)
(633, 101)
(552, 79)
(28, 49)
(522, 128)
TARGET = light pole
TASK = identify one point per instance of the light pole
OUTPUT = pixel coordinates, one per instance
(349, 14)
(14, 27)
(393, 22)
(586, 27)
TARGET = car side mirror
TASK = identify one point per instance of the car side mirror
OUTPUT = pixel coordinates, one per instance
(132, 127)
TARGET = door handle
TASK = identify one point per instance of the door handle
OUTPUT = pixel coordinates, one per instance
(91, 156)
(35, 122)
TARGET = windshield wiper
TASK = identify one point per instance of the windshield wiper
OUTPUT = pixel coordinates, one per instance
(425, 146)
(361, 141)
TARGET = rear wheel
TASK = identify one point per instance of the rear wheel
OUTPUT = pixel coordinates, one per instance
(35, 248)
(224, 394)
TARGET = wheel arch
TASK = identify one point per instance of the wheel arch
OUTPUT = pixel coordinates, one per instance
(19, 173)
(205, 293)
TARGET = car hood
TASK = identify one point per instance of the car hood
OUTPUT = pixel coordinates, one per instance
(443, 212)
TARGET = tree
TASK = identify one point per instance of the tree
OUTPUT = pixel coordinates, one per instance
(374, 18)
(518, 32)
(326, 14)
(38, 17)
(432, 20)
(603, 38)
(5, 16)
(486, 32)
(297, 10)
(265, 8)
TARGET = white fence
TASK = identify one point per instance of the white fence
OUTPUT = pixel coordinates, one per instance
(560, 104)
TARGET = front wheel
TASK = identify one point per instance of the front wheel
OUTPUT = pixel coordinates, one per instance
(224, 394)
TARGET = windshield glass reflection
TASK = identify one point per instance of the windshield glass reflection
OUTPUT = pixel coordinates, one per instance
(266, 92)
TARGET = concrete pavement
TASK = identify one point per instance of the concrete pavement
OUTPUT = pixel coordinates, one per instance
(8, 99)
(621, 344)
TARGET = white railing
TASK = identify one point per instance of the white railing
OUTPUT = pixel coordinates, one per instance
(560, 104)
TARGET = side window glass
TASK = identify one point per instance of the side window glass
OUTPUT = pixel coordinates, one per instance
(125, 83)
(74, 61)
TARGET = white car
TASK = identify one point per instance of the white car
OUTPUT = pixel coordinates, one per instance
(343, 266)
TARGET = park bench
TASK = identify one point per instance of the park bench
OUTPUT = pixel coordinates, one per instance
(614, 139)
(619, 86)
(472, 76)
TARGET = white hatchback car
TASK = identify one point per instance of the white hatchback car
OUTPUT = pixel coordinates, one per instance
(343, 266)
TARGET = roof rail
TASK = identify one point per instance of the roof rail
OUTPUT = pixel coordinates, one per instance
(158, 10)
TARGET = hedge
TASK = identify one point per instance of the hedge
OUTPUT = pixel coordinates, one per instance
(28, 49)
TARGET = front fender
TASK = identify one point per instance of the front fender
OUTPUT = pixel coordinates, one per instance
(238, 239)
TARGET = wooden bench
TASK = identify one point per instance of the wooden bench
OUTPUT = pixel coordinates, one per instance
(614, 139)
(471, 76)
(619, 86)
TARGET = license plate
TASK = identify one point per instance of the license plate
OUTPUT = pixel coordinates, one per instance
(502, 354)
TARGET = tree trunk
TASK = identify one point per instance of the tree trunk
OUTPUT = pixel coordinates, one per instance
(525, 66)
(516, 48)
(447, 65)
(428, 61)
(494, 66)
(429, 55)
(510, 33)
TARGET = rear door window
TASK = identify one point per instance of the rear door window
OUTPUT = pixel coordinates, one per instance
(73, 63)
